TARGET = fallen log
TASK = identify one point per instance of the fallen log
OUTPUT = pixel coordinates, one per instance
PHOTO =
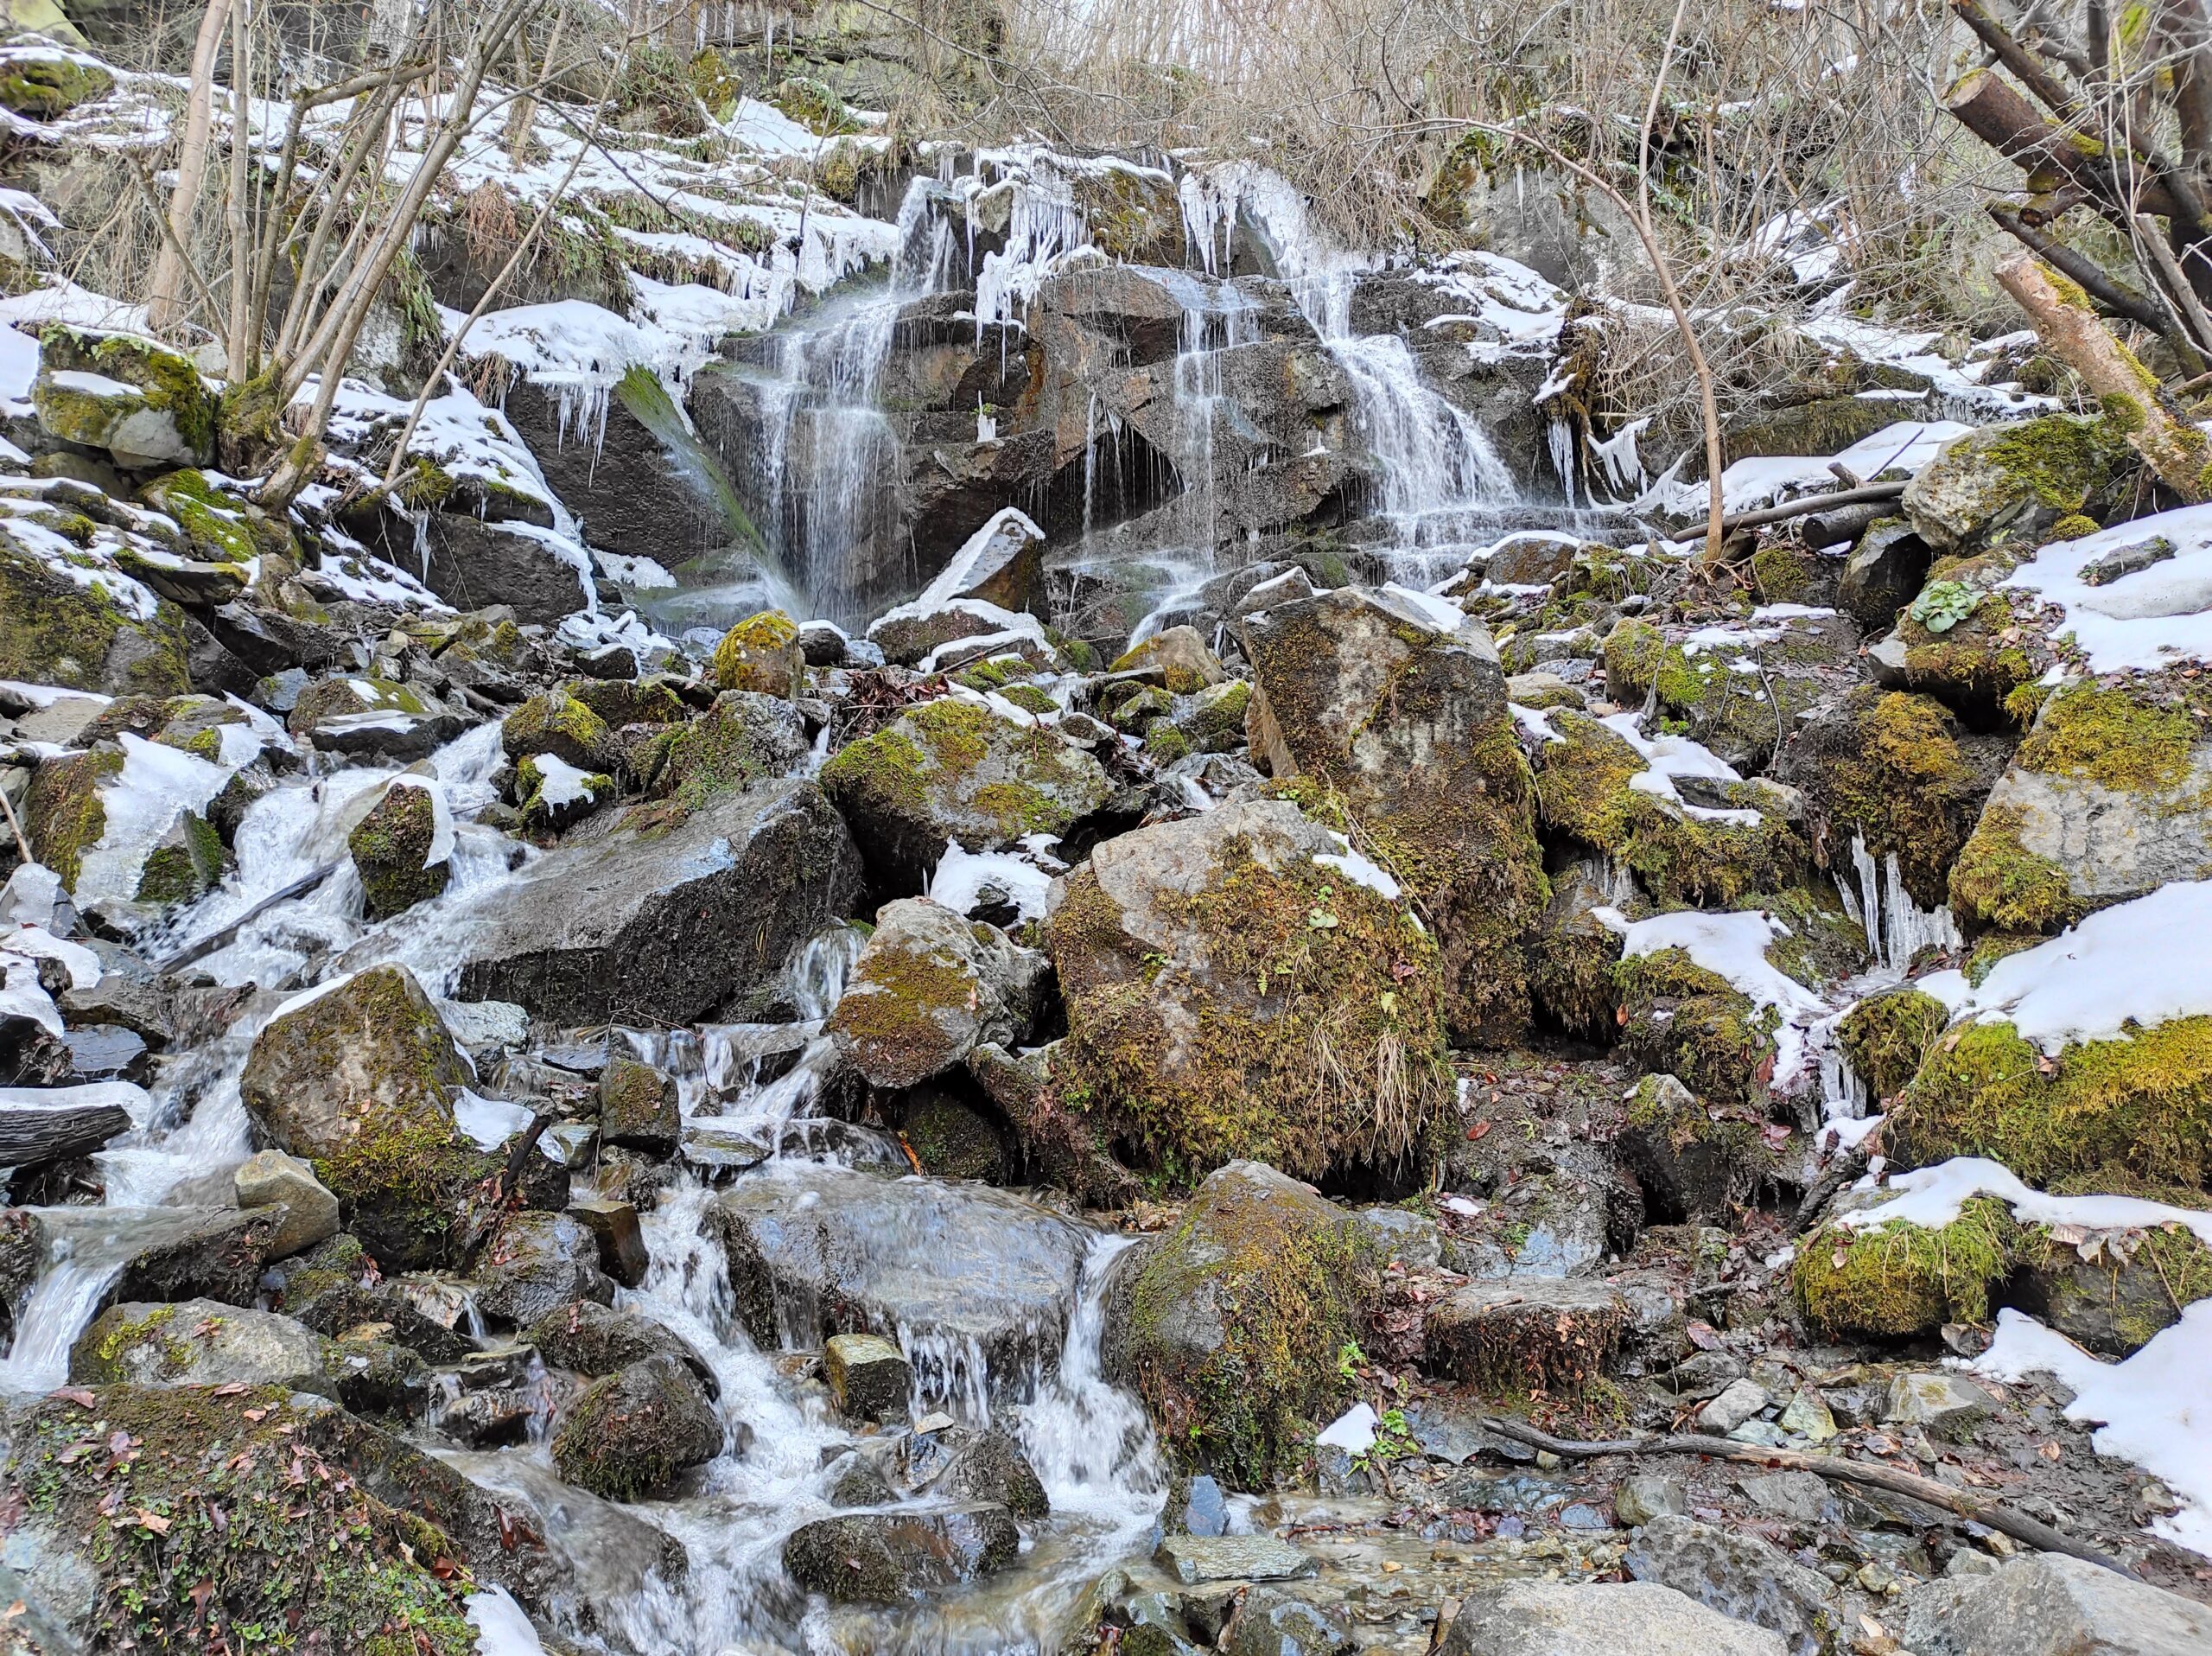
(40, 1125)
(1843, 525)
(1989, 1514)
(222, 934)
(1759, 517)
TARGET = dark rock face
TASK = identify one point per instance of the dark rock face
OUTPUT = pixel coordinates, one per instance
(668, 924)
(883, 1557)
(597, 1340)
(536, 1264)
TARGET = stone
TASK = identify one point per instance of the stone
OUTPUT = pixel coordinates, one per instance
(1800, 1497)
(2007, 484)
(929, 989)
(991, 1467)
(269, 1177)
(1739, 1575)
(664, 922)
(761, 654)
(638, 1107)
(397, 848)
(476, 563)
(144, 403)
(955, 771)
(1526, 1332)
(1398, 706)
(1690, 1166)
(54, 632)
(200, 1342)
(615, 1225)
(1175, 658)
(598, 1340)
(1188, 1046)
(1398, 1233)
(535, 1262)
(173, 1252)
(1883, 573)
(635, 1433)
(1205, 1508)
(1000, 563)
(885, 1557)
(1543, 1618)
(361, 717)
(1272, 1623)
(1195, 1559)
(868, 1377)
(1807, 1416)
(2047, 1604)
(825, 1250)
(1646, 1496)
(1944, 1405)
(1739, 1401)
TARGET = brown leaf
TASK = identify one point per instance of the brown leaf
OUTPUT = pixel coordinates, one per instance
(78, 1395)
(229, 1389)
(153, 1521)
(1478, 1130)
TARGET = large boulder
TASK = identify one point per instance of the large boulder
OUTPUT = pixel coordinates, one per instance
(816, 1251)
(1240, 984)
(536, 1264)
(2047, 1604)
(636, 1432)
(928, 989)
(200, 1342)
(1230, 1324)
(1740, 689)
(144, 403)
(357, 1079)
(1740, 1576)
(1544, 1618)
(2008, 485)
(885, 1557)
(1395, 707)
(666, 922)
(954, 770)
(57, 630)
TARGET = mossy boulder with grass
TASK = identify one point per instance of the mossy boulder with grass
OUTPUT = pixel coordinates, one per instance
(1586, 789)
(45, 86)
(762, 653)
(1230, 996)
(1384, 712)
(1233, 1326)
(144, 403)
(953, 770)
(218, 528)
(2009, 485)
(201, 1342)
(2110, 798)
(2113, 1291)
(1696, 1026)
(58, 629)
(1960, 642)
(65, 813)
(392, 846)
(745, 736)
(1692, 1162)
(1886, 1037)
(1897, 1279)
(358, 1082)
(928, 989)
(559, 723)
(1741, 690)
(1898, 774)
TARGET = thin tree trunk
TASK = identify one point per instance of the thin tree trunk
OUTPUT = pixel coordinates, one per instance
(235, 348)
(165, 304)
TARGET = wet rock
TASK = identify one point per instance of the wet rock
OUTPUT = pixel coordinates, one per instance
(613, 1225)
(477, 562)
(1942, 1405)
(1227, 1325)
(369, 718)
(1398, 705)
(638, 1107)
(1525, 1333)
(2112, 1294)
(744, 737)
(1640, 1498)
(1883, 574)
(270, 1177)
(885, 1557)
(635, 1433)
(1740, 1576)
(1271, 1623)
(536, 1264)
(954, 770)
(991, 1467)
(357, 1081)
(928, 988)
(1205, 1509)
(43, 1124)
(198, 1342)
(2006, 486)
(1192, 1039)
(860, 1482)
(597, 1340)
(1738, 1402)
(399, 851)
(329, 1290)
(1741, 689)
(2047, 1604)
(1530, 1618)
(868, 1377)
(1175, 658)
(1192, 1559)
(822, 1250)
(665, 922)
(175, 1254)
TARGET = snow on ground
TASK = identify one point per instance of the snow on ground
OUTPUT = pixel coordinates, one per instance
(1748, 484)
(2142, 963)
(1932, 1196)
(1734, 948)
(2155, 1407)
(2157, 615)
(961, 875)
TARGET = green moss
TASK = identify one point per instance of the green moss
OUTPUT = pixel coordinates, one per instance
(607, 1452)
(556, 722)
(217, 526)
(952, 1141)
(1163, 744)
(180, 871)
(1887, 1036)
(389, 846)
(1991, 947)
(2141, 1104)
(1998, 882)
(63, 815)
(1900, 1279)
(1583, 790)
(43, 88)
(261, 1536)
(1215, 722)
(404, 1184)
(165, 380)
(1310, 1038)
(1784, 573)
(1294, 1293)
(1892, 769)
(1973, 663)
(1692, 1023)
(2074, 526)
(761, 653)
(55, 632)
(813, 103)
(892, 1008)
(2112, 737)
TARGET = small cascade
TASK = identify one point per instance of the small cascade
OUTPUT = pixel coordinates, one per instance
(87, 1258)
(1896, 928)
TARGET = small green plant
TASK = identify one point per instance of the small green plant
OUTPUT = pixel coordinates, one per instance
(1393, 1441)
(1944, 605)
(1349, 1357)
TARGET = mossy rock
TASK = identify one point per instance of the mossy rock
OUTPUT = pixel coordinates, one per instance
(744, 736)
(556, 722)
(1230, 1326)
(143, 402)
(634, 1433)
(1898, 773)
(928, 989)
(1886, 1037)
(45, 88)
(54, 631)
(1690, 1164)
(1746, 718)
(1176, 659)
(761, 653)
(2138, 1106)
(549, 805)
(64, 814)
(2110, 798)
(358, 1083)
(1228, 996)
(186, 863)
(1897, 1279)
(953, 770)
(235, 1509)
(1694, 1025)
(1981, 662)
(1583, 790)
(814, 105)
(220, 530)
(390, 848)
(1571, 960)
(344, 694)
(2113, 1294)
(1213, 721)
(2009, 485)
